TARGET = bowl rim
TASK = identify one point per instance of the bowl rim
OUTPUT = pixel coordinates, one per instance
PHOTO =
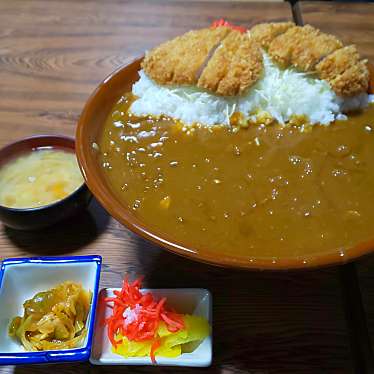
(53, 204)
(49, 356)
(123, 215)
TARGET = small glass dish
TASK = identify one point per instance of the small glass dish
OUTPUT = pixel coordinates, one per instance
(21, 279)
(195, 301)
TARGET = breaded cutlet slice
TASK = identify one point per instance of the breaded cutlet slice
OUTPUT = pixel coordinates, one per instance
(235, 66)
(345, 72)
(180, 60)
(336, 63)
(264, 33)
(221, 60)
(303, 47)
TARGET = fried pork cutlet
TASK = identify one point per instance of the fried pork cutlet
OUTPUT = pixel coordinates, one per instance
(264, 33)
(179, 60)
(227, 62)
(302, 47)
(223, 61)
(310, 50)
(234, 67)
(346, 74)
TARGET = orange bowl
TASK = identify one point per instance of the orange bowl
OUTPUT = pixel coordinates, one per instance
(89, 130)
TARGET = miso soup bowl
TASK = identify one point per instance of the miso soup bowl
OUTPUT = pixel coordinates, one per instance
(46, 215)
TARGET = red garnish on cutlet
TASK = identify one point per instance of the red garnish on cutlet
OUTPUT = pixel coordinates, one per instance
(222, 22)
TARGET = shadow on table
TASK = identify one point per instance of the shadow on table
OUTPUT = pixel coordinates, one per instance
(65, 237)
(278, 322)
(86, 368)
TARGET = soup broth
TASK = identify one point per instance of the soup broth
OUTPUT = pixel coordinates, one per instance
(39, 178)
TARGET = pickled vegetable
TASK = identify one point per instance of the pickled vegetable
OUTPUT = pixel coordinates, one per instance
(54, 319)
(171, 344)
(142, 326)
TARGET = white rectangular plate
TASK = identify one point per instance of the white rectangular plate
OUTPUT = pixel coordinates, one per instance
(195, 301)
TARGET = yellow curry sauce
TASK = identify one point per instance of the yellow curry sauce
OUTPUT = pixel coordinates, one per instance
(264, 191)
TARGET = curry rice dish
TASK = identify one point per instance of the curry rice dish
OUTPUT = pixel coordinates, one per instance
(268, 182)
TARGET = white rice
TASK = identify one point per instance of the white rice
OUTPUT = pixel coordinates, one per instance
(280, 93)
